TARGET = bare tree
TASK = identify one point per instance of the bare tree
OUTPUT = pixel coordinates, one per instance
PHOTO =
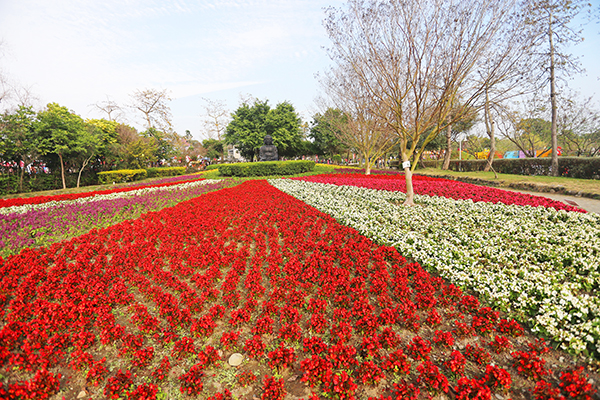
(579, 126)
(110, 107)
(360, 127)
(527, 128)
(216, 117)
(553, 20)
(416, 59)
(152, 103)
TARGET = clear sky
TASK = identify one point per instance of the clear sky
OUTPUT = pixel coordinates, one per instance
(81, 52)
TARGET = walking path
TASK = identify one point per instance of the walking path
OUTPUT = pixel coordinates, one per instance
(590, 205)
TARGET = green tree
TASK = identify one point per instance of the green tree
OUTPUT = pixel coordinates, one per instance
(90, 145)
(109, 138)
(60, 130)
(325, 133)
(18, 139)
(251, 123)
(214, 148)
(164, 142)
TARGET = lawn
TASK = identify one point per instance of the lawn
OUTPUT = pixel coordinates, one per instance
(328, 290)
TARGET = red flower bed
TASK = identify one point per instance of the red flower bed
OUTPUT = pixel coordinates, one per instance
(439, 187)
(74, 196)
(158, 303)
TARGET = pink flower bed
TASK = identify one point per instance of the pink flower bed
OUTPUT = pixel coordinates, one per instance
(73, 196)
(439, 187)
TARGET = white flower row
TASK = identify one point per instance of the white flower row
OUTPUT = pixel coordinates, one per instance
(540, 265)
(100, 197)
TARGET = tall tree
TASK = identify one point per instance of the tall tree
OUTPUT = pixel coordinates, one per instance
(579, 127)
(325, 132)
(359, 126)
(152, 104)
(252, 122)
(89, 143)
(18, 139)
(416, 59)
(555, 33)
(59, 130)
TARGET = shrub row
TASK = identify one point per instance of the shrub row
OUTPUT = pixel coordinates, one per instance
(571, 167)
(9, 183)
(122, 175)
(165, 171)
(266, 168)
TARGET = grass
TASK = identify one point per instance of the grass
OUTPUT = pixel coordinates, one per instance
(535, 183)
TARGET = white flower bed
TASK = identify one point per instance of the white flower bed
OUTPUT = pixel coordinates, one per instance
(540, 265)
(100, 197)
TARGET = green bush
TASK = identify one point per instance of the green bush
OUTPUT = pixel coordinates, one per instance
(9, 183)
(122, 175)
(214, 166)
(165, 171)
(571, 167)
(266, 168)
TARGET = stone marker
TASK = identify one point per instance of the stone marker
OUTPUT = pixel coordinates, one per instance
(235, 359)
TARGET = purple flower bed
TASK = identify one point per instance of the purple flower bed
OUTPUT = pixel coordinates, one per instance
(43, 226)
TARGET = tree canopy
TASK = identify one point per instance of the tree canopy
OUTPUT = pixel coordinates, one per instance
(252, 122)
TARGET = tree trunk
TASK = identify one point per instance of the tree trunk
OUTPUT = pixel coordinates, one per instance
(553, 103)
(491, 131)
(62, 171)
(21, 178)
(81, 170)
(367, 165)
(410, 193)
(448, 148)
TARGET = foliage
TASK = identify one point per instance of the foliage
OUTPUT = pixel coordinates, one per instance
(18, 138)
(123, 175)
(214, 148)
(165, 171)
(251, 123)
(60, 132)
(325, 133)
(267, 168)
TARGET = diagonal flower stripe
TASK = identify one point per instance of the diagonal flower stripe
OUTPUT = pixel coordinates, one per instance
(540, 264)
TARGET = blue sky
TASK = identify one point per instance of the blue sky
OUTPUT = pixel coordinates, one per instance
(78, 52)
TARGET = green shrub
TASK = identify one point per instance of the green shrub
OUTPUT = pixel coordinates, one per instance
(122, 175)
(9, 183)
(214, 166)
(571, 167)
(266, 168)
(165, 171)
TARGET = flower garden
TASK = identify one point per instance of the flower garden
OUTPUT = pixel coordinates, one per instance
(327, 285)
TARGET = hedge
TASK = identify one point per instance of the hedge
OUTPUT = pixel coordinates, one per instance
(165, 171)
(214, 166)
(123, 175)
(9, 183)
(571, 167)
(266, 168)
